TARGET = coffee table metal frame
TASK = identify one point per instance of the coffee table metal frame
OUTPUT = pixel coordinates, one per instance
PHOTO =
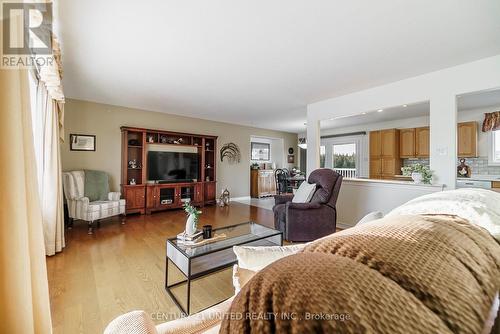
(191, 277)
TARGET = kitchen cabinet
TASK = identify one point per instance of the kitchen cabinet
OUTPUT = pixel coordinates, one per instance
(389, 142)
(407, 143)
(375, 144)
(422, 142)
(385, 161)
(467, 140)
(415, 143)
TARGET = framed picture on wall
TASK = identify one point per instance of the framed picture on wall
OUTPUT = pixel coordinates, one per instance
(291, 159)
(261, 151)
(79, 142)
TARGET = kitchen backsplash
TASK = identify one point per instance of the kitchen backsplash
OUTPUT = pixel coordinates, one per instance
(479, 165)
(410, 162)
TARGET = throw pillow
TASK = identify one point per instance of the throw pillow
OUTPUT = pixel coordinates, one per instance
(375, 215)
(137, 322)
(240, 277)
(304, 193)
(256, 258)
(96, 186)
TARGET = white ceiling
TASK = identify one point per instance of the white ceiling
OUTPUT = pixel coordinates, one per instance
(479, 100)
(261, 62)
(471, 101)
(373, 116)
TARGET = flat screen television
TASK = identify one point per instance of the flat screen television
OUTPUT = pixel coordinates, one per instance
(172, 166)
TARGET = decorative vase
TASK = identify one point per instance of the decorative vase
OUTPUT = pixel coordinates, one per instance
(417, 177)
(190, 225)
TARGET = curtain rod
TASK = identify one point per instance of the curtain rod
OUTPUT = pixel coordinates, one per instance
(345, 135)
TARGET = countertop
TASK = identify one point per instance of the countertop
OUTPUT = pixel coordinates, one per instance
(481, 178)
(405, 183)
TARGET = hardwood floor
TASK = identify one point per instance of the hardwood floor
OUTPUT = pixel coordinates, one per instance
(122, 268)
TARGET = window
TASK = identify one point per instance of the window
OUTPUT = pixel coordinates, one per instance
(494, 156)
(344, 159)
(261, 151)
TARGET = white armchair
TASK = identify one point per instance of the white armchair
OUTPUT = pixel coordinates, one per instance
(79, 207)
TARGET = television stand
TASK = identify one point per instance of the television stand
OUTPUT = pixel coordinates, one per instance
(143, 196)
(173, 181)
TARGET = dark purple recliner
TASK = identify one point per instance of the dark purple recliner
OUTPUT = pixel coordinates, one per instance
(313, 220)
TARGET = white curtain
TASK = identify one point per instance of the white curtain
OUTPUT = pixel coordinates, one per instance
(24, 293)
(46, 114)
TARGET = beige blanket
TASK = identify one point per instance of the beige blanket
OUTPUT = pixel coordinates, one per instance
(403, 274)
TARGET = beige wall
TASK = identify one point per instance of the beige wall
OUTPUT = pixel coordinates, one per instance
(105, 121)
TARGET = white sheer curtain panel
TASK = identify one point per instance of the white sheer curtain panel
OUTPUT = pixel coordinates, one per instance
(45, 116)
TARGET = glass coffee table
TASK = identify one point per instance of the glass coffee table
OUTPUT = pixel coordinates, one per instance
(197, 262)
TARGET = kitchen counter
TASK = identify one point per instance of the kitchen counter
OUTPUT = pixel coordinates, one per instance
(360, 196)
(393, 182)
(481, 178)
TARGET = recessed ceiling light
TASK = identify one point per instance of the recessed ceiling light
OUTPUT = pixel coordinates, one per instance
(405, 105)
(363, 113)
(331, 119)
(380, 110)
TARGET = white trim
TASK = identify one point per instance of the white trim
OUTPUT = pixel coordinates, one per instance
(243, 198)
(491, 148)
(393, 184)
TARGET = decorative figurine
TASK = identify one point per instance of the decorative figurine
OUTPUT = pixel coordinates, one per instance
(132, 182)
(224, 198)
(132, 163)
(463, 170)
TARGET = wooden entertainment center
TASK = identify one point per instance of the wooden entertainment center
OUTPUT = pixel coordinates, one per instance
(145, 196)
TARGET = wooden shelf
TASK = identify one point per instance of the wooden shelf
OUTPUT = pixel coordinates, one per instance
(143, 197)
(182, 145)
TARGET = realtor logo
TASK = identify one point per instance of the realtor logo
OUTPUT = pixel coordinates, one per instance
(26, 33)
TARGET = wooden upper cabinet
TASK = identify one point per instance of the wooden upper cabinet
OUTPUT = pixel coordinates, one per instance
(389, 143)
(384, 154)
(375, 144)
(467, 140)
(422, 142)
(407, 143)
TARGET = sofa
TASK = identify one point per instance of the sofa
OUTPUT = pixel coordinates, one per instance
(81, 207)
(480, 221)
(301, 222)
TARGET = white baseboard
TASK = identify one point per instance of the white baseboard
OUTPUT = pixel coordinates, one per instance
(243, 198)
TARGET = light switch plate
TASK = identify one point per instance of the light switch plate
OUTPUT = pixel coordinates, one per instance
(442, 151)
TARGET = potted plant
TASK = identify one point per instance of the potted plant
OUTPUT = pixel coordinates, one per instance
(419, 173)
(193, 216)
